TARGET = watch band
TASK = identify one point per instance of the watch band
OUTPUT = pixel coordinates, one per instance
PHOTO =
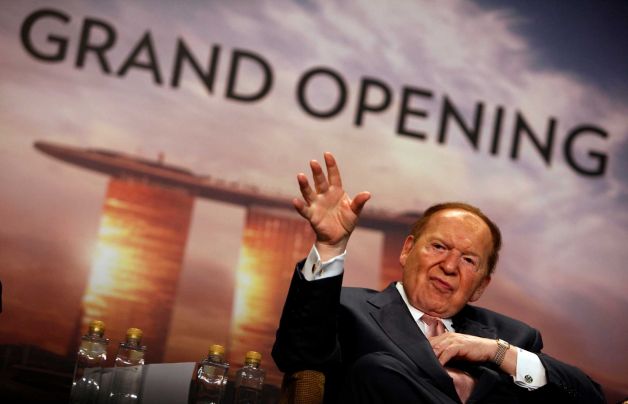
(500, 354)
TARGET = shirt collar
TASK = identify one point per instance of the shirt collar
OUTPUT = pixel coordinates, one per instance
(416, 313)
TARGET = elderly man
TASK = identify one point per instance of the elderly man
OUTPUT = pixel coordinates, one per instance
(418, 341)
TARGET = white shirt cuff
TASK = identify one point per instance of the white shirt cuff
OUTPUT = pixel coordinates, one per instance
(530, 371)
(314, 269)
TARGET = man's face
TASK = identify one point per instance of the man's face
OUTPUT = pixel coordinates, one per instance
(446, 266)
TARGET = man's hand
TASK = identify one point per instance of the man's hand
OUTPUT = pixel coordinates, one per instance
(453, 345)
(328, 208)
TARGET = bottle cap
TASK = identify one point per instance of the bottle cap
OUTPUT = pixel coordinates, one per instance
(96, 327)
(134, 334)
(216, 349)
(252, 356)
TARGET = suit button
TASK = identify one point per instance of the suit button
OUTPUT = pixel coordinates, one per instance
(528, 379)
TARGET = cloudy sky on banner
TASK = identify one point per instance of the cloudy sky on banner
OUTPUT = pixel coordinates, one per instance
(564, 256)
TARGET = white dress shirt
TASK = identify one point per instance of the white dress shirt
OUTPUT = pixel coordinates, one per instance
(530, 371)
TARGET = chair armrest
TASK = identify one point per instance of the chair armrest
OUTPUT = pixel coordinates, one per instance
(303, 387)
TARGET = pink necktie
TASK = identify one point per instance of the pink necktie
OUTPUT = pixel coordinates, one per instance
(463, 382)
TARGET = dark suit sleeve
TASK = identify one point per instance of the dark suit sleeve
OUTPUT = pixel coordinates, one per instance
(569, 384)
(307, 334)
(565, 383)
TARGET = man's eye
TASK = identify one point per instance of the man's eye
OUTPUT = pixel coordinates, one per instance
(470, 261)
(438, 246)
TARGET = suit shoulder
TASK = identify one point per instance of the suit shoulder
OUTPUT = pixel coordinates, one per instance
(490, 317)
(349, 292)
(356, 298)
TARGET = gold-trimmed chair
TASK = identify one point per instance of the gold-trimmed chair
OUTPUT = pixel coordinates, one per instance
(303, 387)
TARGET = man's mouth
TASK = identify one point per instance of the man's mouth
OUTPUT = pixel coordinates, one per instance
(441, 285)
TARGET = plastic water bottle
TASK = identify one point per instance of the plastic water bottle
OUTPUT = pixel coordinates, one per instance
(92, 355)
(126, 385)
(210, 378)
(250, 380)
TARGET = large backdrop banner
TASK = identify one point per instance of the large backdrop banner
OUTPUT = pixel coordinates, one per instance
(149, 153)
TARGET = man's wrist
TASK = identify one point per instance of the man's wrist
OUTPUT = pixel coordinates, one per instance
(500, 352)
(327, 252)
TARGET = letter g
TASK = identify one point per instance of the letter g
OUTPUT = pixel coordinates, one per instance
(61, 42)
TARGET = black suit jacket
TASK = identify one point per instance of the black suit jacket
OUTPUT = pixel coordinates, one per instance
(326, 327)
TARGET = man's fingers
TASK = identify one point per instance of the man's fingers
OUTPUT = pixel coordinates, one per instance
(300, 207)
(358, 202)
(445, 356)
(333, 173)
(440, 350)
(320, 182)
(307, 192)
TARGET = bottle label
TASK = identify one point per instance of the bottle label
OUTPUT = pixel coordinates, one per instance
(93, 351)
(135, 356)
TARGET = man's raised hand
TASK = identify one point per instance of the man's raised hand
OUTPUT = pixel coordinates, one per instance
(331, 212)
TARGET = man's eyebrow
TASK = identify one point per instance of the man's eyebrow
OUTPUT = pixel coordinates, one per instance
(441, 239)
(469, 252)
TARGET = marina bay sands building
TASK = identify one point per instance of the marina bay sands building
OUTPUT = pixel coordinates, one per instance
(141, 243)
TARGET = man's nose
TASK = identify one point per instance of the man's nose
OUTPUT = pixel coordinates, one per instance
(450, 263)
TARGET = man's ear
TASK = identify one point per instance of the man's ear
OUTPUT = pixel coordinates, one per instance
(480, 289)
(405, 251)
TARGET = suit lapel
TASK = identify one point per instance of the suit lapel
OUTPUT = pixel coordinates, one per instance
(391, 314)
(464, 325)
